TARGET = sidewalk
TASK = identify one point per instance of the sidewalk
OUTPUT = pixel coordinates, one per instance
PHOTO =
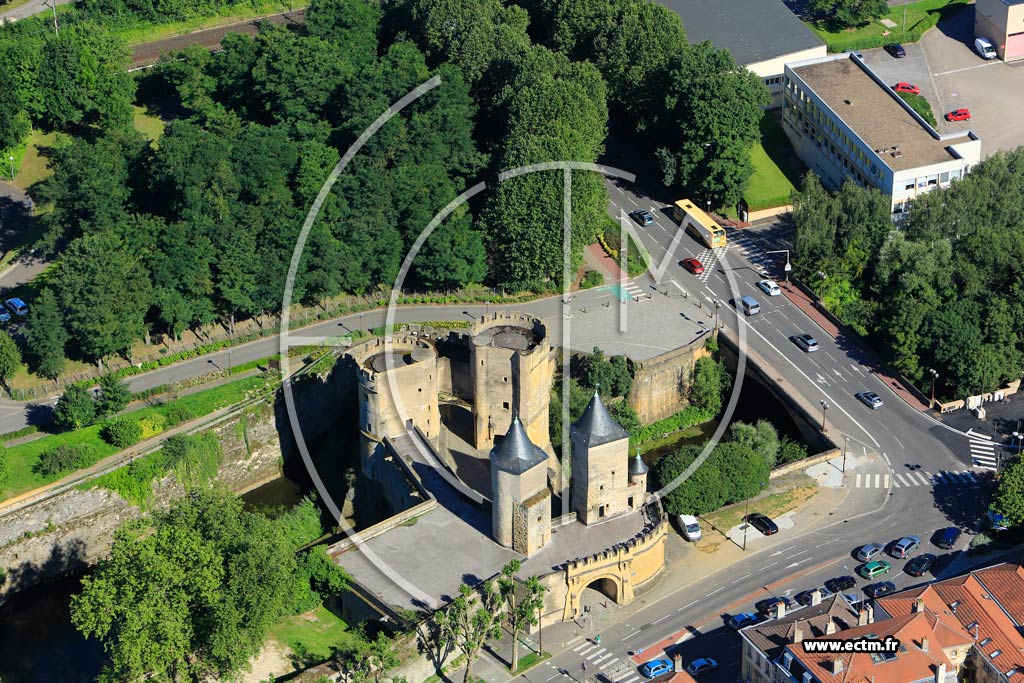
(851, 342)
(596, 255)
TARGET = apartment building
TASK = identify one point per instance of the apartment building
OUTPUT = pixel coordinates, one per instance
(845, 123)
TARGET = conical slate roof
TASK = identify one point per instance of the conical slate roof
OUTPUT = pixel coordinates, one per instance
(638, 466)
(596, 426)
(516, 453)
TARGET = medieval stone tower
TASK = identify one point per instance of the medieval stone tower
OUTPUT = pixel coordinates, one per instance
(407, 371)
(512, 365)
(603, 482)
(638, 470)
(520, 500)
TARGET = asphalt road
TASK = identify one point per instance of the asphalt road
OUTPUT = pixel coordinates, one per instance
(29, 8)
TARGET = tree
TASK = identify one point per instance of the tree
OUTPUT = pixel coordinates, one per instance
(189, 593)
(10, 357)
(710, 382)
(1009, 496)
(75, 408)
(744, 474)
(45, 336)
(113, 397)
(761, 437)
(469, 621)
(105, 293)
(702, 492)
(14, 123)
(520, 610)
(612, 375)
(368, 661)
(847, 13)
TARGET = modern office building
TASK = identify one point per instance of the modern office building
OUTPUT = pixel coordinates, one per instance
(1002, 22)
(762, 35)
(845, 123)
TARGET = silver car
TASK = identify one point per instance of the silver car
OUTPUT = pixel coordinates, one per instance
(870, 399)
(905, 546)
(805, 342)
(869, 552)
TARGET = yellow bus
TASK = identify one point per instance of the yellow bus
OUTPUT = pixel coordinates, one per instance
(699, 224)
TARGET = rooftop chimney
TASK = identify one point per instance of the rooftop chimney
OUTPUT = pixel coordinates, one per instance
(815, 597)
(924, 644)
(919, 605)
(677, 663)
(862, 617)
(830, 627)
(780, 610)
(837, 666)
(798, 634)
(940, 673)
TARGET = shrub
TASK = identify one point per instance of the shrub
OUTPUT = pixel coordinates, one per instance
(151, 426)
(791, 451)
(62, 458)
(592, 278)
(921, 106)
(122, 432)
(75, 408)
(176, 414)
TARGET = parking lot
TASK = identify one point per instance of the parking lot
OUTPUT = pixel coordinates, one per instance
(951, 75)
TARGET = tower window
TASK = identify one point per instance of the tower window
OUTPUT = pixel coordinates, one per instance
(504, 405)
(505, 379)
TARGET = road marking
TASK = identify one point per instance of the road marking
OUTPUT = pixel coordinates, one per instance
(766, 566)
(637, 631)
(554, 676)
(967, 68)
(575, 640)
(689, 604)
(714, 591)
(886, 482)
(579, 647)
(858, 481)
(583, 652)
(895, 481)
(741, 578)
(878, 479)
(658, 621)
(603, 657)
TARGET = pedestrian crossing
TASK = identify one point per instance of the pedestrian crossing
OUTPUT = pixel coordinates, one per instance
(597, 658)
(708, 258)
(983, 451)
(914, 478)
(751, 249)
(633, 289)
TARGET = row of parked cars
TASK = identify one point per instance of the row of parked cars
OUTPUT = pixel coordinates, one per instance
(15, 306)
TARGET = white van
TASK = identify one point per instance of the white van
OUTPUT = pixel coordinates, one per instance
(690, 527)
(984, 47)
(749, 305)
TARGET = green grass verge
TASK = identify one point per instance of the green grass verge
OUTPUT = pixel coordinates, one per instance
(147, 124)
(773, 505)
(531, 660)
(22, 458)
(146, 32)
(920, 16)
(922, 106)
(312, 636)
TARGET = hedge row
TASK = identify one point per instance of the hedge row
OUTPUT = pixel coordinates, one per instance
(684, 419)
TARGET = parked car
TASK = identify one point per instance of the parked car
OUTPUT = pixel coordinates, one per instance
(701, 666)
(4, 315)
(961, 114)
(877, 590)
(805, 342)
(841, 583)
(907, 88)
(905, 547)
(692, 265)
(642, 216)
(873, 569)
(655, 667)
(947, 538)
(985, 48)
(896, 50)
(742, 620)
(17, 306)
(868, 552)
(690, 527)
(870, 399)
(767, 606)
(770, 287)
(920, 564)
(805, 597)
(762, 523)
(996, 521)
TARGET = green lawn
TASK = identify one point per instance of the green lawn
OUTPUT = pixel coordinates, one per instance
(147, 124)
(777, 170)
(920, 16)
(230, 14)
(313, 635)
(22, 458)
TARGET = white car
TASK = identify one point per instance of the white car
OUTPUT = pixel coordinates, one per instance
(770, 287)
(690, 527)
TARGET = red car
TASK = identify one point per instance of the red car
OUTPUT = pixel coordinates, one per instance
(692, 265)
(907, 87)
(959, 115)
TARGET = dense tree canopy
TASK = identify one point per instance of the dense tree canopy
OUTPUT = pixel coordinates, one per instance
(732, 473)
(846, 13)
(944, 291)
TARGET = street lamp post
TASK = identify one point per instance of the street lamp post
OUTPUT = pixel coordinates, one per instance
(824, 408)
(709, 207)
(846, 443)
(1016, 440)
(789, 266)
(11, 158)
(361, 322)
(746, 522)
(935, 378)
(718, 304)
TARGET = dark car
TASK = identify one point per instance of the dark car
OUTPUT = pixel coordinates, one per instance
(762, 523)
(642, 217)
(896, 50)
(692, 265)
(806, 597)
(947, 538)
(920, 564)
(877, 590)
(767, 606)
(840, 584)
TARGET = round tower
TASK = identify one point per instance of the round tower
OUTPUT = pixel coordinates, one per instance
(638, 470)
(406, 370)
(520, 500)
(513, 366)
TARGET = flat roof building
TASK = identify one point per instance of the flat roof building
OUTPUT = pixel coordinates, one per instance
(1002, 22)
(762, 35)
(845, 123)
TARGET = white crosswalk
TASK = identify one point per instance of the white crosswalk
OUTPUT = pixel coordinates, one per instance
(599, 658)
(751, 248)
(914, 478)
(708, 258)
(633, 289)
(983, 451)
